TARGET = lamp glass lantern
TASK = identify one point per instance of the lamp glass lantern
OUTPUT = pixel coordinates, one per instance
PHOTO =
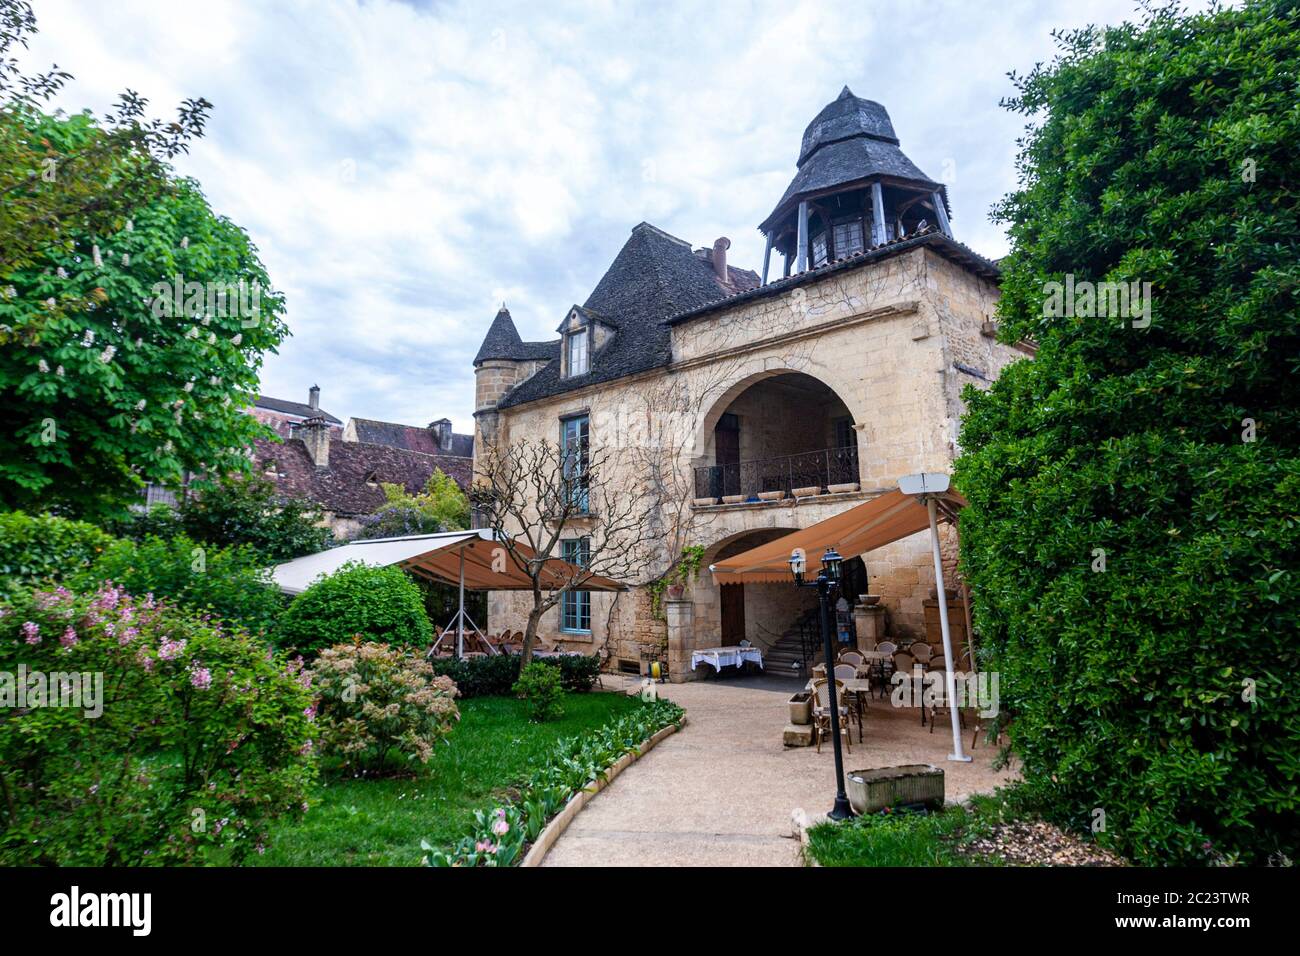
(831, 563)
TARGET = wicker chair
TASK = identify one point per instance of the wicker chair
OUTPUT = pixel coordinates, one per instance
(851, 657)
(847, 671)
(921, 651)
(821, 713)
(887, 647)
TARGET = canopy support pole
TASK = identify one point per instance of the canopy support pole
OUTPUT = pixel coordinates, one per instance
(460, 609)
(950, 679)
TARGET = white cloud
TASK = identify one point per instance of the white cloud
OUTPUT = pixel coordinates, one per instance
(405, 167)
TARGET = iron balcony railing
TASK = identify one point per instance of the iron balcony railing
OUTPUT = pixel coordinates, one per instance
(829, 466)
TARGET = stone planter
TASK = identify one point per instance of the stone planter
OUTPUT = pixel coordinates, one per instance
(801, 708)
(842, 489)
(909, 785)
(771, 495)
(733, 499)
(807, 492)
(869, 599)
(705, 502)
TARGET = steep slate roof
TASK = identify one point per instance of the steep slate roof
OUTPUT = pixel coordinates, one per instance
(503, 342)
(343, 488)
(851, 139)
(301, 409)
(411, 438)
(653, 277)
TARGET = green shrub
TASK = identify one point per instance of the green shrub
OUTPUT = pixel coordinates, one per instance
(42, 548)
(230, 583)
(357, 601)
(502, 832)
(1131, 539)
(377, 702)
(193, 741)
(539, 686)
(495, 675)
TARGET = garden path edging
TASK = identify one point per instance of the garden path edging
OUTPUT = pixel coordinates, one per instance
(555, 829)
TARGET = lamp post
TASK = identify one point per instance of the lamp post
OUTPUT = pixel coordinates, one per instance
(827, 583)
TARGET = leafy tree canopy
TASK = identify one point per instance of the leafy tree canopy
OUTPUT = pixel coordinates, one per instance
(129, 355)
(441, 506)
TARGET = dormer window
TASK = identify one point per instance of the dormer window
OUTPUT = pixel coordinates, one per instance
(578, 351)
(372, 479)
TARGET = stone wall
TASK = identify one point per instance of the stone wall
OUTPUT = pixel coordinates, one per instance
(885, 338)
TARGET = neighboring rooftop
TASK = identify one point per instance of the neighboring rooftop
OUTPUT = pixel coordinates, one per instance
(436, 438)
(297, 409)
(352, 483)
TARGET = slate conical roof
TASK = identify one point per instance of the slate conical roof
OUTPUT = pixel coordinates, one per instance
(503, 342)
(851, 139)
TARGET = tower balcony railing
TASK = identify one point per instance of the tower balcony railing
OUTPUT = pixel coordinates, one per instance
(778, 477)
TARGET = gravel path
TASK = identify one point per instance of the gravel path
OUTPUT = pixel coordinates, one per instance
(721, 791)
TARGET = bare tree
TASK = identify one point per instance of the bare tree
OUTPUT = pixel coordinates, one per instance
(536, 494)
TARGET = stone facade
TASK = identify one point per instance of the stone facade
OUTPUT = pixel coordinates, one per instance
(891, 341)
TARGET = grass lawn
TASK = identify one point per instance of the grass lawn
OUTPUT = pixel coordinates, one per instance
(994, 830)
(381, 822)
(899, 839)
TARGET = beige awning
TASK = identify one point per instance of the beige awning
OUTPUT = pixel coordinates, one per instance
(438, 557)
(872, 524)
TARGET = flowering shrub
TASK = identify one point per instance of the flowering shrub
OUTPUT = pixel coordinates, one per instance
(539, 686)
(501, 833)
(378, 701)
(378, 604)
(183, 738)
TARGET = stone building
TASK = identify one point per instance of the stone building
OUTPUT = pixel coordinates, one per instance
(778, 400)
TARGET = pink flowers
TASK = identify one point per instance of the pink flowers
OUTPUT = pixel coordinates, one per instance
(501, 828)
(200, 677)
(69, 638)
(170, 650)
(32, 632)
(485, 846)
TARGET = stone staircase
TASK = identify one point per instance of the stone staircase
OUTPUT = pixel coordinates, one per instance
(784, 658)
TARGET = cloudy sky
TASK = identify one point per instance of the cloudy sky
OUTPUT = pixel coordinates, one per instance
(406, 167)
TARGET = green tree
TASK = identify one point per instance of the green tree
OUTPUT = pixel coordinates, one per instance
(248, 510)
(144, 383)
(54, 186)
(1131, 536)
(441, 506)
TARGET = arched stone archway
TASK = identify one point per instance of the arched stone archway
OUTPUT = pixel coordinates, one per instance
(775, 431)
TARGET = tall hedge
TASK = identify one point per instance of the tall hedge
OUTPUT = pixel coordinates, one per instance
(43, 548)
(1132, 537)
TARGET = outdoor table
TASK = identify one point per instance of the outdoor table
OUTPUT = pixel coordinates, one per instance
(729, 656)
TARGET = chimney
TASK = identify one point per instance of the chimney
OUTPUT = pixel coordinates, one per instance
(720, 259)
(441, 433)
(313, 396)
(315, 434)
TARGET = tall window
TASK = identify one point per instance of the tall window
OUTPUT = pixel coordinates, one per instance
(575, 606)
(578, 352)
(574, 440)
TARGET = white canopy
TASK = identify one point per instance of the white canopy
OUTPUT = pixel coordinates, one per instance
(475, 557)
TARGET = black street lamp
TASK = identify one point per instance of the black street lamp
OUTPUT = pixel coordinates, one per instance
(827, 583)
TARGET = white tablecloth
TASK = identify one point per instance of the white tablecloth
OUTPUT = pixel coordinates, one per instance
(721, 657)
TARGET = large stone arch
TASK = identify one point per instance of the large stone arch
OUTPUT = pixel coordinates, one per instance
(703, 446)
